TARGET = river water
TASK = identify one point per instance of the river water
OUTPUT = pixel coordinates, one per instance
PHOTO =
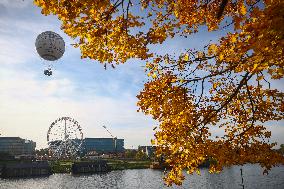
(230, 178)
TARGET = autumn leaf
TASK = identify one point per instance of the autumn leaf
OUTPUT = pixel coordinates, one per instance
(243, 9)
(212, 49)
(186, 57)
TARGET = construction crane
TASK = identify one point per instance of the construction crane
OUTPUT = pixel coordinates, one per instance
(113, 137)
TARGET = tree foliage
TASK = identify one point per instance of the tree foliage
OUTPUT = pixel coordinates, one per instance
(130, 153)
(140, 155)
(42, 152)
(225, 86)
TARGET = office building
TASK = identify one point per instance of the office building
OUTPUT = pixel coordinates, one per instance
(103, 145)
(16, 146)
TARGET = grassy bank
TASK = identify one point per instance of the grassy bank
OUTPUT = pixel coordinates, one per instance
(121, 165)
(60, 166)
(65, 166)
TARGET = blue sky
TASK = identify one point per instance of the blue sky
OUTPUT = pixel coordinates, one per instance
(82, 89)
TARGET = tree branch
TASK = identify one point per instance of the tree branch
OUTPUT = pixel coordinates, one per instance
(222, 8)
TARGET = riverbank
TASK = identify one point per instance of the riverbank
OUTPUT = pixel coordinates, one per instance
(65, 166)
(62, 166)
(122, 164)
(17, 169)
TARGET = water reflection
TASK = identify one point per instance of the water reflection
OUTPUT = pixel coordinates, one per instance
(148, 178)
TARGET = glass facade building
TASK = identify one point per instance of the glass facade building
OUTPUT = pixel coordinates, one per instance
(103, 145)
(16, 146)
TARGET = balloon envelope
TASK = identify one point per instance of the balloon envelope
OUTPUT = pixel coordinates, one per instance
(50, 45)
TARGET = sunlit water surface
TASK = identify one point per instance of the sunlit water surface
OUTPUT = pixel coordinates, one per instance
(230, 178)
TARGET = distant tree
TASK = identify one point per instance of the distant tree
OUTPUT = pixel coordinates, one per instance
(140, 155)
(42, 152)
(129, 153)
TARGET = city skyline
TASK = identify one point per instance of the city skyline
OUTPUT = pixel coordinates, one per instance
(78, 88)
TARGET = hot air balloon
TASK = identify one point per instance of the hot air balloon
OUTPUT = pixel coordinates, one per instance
(50, 46)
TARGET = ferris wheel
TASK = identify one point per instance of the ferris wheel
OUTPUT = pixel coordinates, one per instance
(65, 137)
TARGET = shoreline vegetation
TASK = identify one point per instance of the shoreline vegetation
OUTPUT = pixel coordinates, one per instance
(65, 166)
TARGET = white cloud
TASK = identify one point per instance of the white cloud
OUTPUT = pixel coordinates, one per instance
(15, 50)
(28, 107)
(18, 32)
(15, 3)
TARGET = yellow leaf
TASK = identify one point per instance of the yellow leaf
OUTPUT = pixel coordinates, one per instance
(198, 171)
(260, 78)
(214, 85)
(212, 49)
(243, 9)
(233, 39)
(221, 57)
(200, 55)
(186, 57)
